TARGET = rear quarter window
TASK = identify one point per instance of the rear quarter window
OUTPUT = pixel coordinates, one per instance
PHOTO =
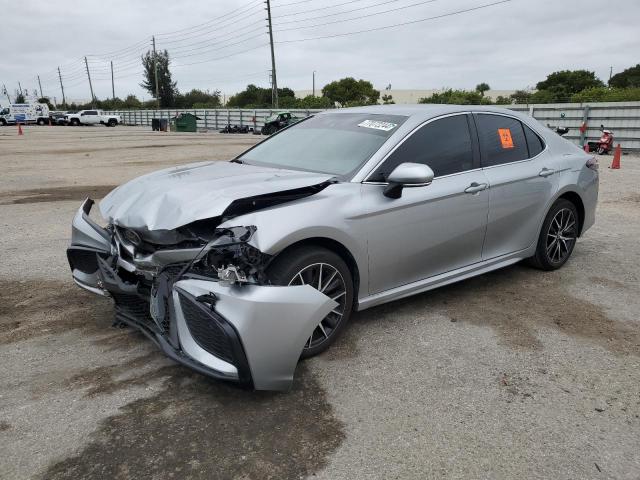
(534, 142)
(502, 139)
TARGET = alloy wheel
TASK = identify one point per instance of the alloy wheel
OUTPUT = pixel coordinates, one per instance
(561, 236)
(326, 279)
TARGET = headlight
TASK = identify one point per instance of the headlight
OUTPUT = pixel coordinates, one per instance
(231, 259)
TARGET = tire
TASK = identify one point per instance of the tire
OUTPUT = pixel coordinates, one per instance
(601, 151)
(268, 129)
(74, 122)
(301, 265)
(41, 121)
(558, 236)
(112, 122)
(3, 122)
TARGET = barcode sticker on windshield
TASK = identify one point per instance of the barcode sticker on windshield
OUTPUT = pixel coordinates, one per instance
(384, 126)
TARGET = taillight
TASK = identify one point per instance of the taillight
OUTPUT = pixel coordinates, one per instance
(592, 163)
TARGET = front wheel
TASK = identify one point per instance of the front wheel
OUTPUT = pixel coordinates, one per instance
(325, 271)
(74, 122)
(268, 129)
(41, 121)
(112, 122)
(601, 150)
(558, 236)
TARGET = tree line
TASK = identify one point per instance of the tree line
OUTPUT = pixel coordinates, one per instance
(559, 87)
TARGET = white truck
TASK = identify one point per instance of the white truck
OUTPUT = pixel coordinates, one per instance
(92, 117)
(24, 113)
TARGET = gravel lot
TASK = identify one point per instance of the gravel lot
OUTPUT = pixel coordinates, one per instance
(515, 374)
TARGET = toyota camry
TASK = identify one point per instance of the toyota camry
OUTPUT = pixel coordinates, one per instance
(238, 269)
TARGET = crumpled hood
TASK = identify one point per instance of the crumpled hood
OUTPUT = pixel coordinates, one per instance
(176, 196)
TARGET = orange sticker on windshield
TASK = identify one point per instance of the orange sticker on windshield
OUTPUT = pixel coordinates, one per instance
(505, 137)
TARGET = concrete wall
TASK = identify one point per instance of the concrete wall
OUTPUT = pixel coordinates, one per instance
(623, 118)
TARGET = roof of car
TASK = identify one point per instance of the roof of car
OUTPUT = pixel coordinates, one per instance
(424, 111)
(419, 113)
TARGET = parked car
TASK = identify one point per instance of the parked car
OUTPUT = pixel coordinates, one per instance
(93, 117)
(237, 269)
(278, 121)
(58, 118)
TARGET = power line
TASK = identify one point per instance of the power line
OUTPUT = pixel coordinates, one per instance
(360, 17)
(172, 42)
(210, 22)
(386, 27)
(221, 58)
(322, 8)
(338, 13)
(292, 3)
(216, 41)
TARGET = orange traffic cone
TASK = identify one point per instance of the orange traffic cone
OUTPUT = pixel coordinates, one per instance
(20, 130)
(616, 158)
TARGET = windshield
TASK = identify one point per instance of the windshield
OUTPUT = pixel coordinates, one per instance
(337, 143)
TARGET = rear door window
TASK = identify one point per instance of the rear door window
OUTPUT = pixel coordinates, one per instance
(502, 139)
(444, 145)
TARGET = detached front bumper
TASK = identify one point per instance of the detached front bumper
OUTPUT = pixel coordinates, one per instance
(250, 334)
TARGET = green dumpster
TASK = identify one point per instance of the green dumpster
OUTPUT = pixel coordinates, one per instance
(185, 122)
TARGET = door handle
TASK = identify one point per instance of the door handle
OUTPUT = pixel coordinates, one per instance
(475, 187)
(546, 172)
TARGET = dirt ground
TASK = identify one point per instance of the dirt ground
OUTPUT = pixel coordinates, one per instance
(514, 374)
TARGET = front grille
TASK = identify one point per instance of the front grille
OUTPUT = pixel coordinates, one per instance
(136, 308)
(206, 330)
(83, 260)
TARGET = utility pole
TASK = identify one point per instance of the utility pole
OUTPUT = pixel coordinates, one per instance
(155, 70)
(64, 100)
(20, 87)
(610, 74)
(6, 92)
(86, 64)
(274, 81)
(113, 88)
(40, 85)
(314, 83)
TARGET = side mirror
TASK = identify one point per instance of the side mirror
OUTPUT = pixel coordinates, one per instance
(407, 175)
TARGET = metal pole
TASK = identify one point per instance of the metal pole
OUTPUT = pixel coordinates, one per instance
(20, 87)
(314, 83)
(64, 100)
(274, 81)
(155, 70)
(40, 85)
(86, 64)
(113, 88)
(6, 92)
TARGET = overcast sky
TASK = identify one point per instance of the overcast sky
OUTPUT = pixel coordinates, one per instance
(510, 45)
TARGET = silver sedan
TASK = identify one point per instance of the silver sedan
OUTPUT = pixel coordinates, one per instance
(238, 269)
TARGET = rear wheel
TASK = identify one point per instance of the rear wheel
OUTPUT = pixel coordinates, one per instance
(268, 129)
(325, 271)
(112, 122)
(601, 150)
(41, 121)
(558, 236)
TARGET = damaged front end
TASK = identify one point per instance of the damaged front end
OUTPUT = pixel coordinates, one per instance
(202, 295)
